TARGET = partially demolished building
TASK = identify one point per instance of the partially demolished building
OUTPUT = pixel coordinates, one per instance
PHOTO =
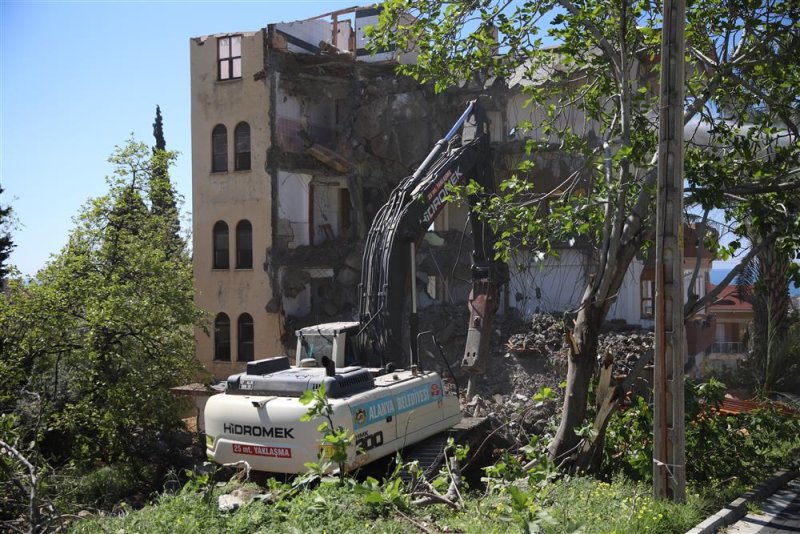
(298, 137)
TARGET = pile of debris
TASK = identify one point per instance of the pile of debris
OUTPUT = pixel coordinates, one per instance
(545, 338)
(626, 349)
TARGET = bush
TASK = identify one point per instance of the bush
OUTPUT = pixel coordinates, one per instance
(747, 446)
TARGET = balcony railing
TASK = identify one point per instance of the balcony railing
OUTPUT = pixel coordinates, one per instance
(728, 347)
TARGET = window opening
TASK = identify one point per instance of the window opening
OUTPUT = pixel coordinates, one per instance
(344, 210)
(241, 141)
(244, 245)
(222, 338)
(220, 260)
(244, 338)
(648, 298)
(229, 53)
(219, 149)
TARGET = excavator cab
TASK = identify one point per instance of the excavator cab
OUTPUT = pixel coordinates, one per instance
(334, 340)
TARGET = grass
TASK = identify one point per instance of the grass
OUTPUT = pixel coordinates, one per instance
(569, 505)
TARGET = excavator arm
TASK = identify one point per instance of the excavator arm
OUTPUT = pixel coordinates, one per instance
(398, 228)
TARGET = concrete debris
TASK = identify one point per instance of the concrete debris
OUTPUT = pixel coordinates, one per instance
(235, 499)
(626, 349)
(538, 360)
(545, 338)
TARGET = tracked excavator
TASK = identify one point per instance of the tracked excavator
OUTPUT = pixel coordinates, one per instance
(370, 367)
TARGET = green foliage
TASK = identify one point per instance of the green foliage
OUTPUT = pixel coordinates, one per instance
(391, 493)
(106, 486)
(335, 440)
(6, 243)
(93, 343)
(744, 447)
(573, 504)
(158, 132)
(588, 505)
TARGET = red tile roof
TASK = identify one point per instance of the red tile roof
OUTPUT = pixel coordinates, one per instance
(732, 406)
(728, 300)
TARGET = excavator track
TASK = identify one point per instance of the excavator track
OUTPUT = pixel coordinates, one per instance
(430, 452)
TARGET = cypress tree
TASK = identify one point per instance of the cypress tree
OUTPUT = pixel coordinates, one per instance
(158, 131)
(162, 194)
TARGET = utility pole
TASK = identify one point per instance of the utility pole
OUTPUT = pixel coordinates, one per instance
(669, 455)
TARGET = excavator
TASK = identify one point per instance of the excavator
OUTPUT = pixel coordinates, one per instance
(370, 368)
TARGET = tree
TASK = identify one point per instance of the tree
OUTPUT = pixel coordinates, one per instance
(764, 284)
(596, 96)
(94, 342)
(158, 131)
(6, 243)
(162, 194)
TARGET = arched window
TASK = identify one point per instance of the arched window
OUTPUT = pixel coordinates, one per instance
(241, 141)
(221, 248)
(244, 245)
(219, 148)
(222, 338)
(244, 336)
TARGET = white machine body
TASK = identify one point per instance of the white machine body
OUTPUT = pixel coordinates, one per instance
(399, 408)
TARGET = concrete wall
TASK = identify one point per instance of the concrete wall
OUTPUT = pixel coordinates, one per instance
(231, 196)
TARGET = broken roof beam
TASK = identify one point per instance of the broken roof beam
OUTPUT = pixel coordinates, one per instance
(335, 13)
(329, 158)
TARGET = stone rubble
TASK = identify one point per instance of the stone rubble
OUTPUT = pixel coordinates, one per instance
(525, 357)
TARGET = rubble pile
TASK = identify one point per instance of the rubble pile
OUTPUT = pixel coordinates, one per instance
(545, 337)
(505, 392)
(626, 348)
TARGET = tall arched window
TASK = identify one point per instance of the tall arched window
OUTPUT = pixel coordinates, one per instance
(219, 148)
(241, 142)
(222, 338)
(244, 336)
(221, 247)
(244, 245)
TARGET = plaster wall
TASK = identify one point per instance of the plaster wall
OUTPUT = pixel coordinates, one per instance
(231, 196)
(310, 32)
(555, 285)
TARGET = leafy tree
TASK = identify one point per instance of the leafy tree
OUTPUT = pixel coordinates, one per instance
(596, 99)
(162, 195)
(6, 243)
(94, 342)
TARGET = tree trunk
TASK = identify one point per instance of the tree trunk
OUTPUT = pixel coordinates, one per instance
(583, 350)
(597, 299)
(774, 286)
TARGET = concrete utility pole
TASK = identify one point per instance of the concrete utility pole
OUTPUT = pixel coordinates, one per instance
(669, 456)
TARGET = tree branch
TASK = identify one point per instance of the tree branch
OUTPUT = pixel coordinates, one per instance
(33, 504)
(690, 308)
(691, 296)
(752, 189)
(602, 42)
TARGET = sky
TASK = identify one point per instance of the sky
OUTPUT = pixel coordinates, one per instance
(78, 78)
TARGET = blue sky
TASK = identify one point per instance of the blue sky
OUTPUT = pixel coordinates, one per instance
(79, 77)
